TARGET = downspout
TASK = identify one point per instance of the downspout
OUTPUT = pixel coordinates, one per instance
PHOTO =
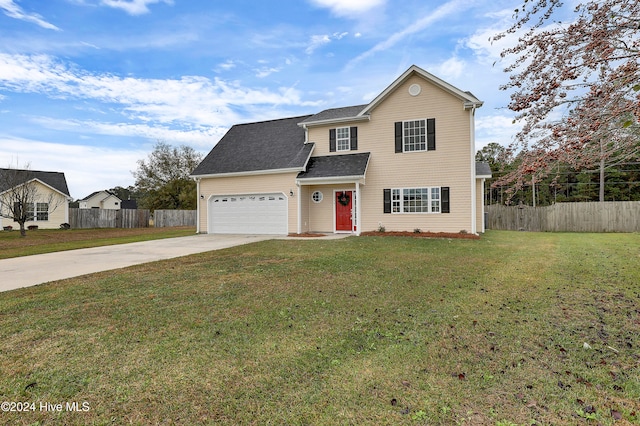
(474, 204)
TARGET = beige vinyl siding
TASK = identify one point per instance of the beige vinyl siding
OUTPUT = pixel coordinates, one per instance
(58, 210)
(448, 166)
(253, 184)
(321, 215)
(305, 200)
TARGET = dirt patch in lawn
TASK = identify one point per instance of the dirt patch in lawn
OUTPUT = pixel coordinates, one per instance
(421, 234)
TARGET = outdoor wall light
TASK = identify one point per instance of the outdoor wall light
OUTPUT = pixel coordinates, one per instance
(291, 192)
(202, 196)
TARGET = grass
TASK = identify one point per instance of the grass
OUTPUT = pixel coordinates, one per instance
(364, 330)
(51, 240)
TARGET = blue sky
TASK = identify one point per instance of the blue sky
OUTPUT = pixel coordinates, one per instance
(87, 87)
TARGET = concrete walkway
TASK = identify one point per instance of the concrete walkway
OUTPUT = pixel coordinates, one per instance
(40, 268)
(27, 271)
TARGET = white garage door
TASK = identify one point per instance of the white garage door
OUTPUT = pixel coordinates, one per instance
(248, 214)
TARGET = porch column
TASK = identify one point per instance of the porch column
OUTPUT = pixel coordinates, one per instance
(299, 201)
(358, 215)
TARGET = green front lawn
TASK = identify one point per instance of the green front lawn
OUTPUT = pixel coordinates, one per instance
(515, 328)
(41, 241)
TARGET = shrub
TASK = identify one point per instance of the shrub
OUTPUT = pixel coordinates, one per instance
(417, 231)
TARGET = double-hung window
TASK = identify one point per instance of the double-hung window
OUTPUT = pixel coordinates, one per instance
(414, 135)
(42, 211)
(343, 139)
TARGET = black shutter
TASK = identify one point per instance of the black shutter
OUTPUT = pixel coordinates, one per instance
(398, 139)
(431, 134)
(332, 140)
(444, 200)
(353, 134)
(387, 201)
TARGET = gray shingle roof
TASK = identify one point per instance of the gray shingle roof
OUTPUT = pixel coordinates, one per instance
(56, 180)
(336, 166)
(266, 145)
(335, 113)
(482, 169)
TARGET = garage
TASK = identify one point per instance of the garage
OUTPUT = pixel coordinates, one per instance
(248, 214)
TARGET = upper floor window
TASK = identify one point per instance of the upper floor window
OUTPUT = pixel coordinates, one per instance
(343, 142)
(415, 135)
(343, 139)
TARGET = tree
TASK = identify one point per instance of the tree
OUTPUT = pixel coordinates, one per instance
(20, 196)
(163, 179)
(587, 73)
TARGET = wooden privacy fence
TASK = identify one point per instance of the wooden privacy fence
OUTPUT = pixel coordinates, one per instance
(167, 218)
(608, 216)
(107, 218)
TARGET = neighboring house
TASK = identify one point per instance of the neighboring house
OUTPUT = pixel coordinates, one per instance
(403, 162)
(101, 200)
(51, 206)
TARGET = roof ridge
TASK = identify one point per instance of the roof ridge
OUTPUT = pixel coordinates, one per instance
(273, 120)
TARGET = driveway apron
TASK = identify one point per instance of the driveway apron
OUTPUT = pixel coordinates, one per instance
(41, 268)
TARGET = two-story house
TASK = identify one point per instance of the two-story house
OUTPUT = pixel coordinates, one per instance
(404, 161)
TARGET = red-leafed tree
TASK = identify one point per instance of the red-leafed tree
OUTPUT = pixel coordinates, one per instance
(575, 87)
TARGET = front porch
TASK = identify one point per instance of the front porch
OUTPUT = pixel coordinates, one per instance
(330, 194)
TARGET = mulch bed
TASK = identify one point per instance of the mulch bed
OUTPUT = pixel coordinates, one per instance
(403, 234)
(421, 234)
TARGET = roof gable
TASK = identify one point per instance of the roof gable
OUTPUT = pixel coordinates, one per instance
(103, 195)
(466, 97)
(54, 180)
(258, 147)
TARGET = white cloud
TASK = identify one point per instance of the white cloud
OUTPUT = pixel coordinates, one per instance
(134, 7)
(495, 128)
(87, 168)
(451, 7)
(198, 136)
(192, 100)
(226, 66)
(316, 42)
(348, 7)
(266, 71)
(452, 68)
(12, 10)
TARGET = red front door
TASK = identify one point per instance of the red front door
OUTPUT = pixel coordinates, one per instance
(344, 205)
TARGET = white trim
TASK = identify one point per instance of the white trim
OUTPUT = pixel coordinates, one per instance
(357, 118)
(464, 96)
(199, 201)
(472, 144)
(249, 173)
(429, 200)
(353, 206)
(358, 210)
(426, 142)
(299, 202)
(330, 180)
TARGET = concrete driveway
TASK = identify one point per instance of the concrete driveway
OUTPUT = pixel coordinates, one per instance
(37, 269)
